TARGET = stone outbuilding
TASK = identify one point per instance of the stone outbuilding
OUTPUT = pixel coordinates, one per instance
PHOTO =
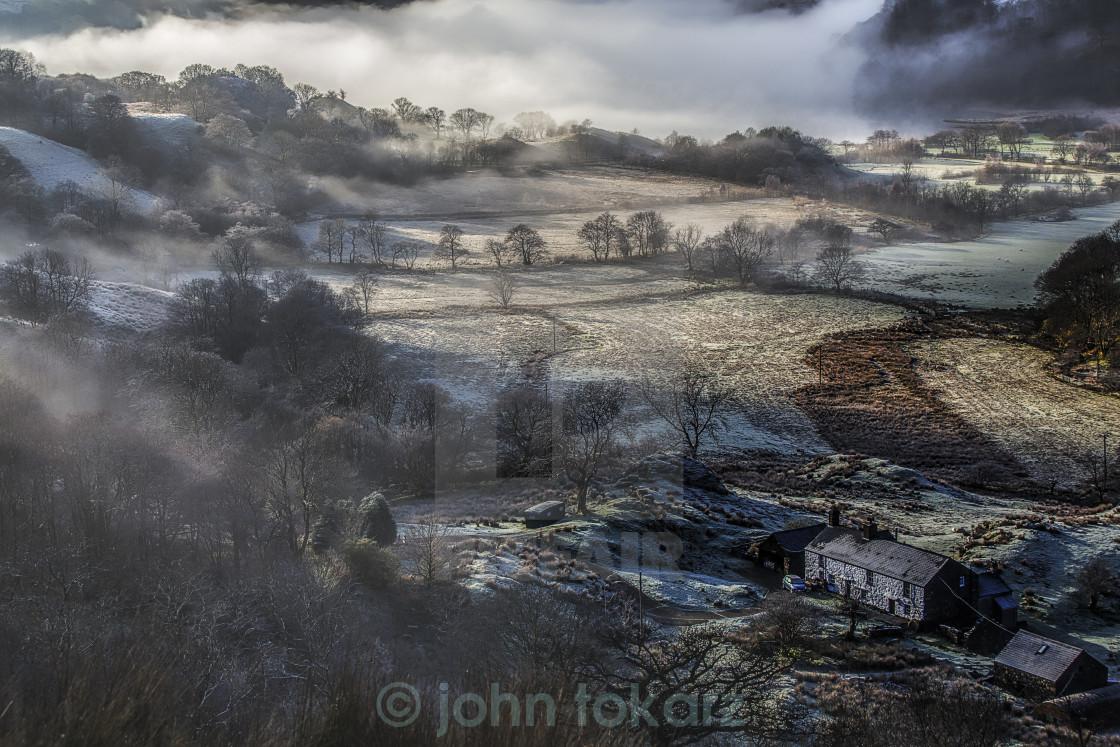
(543, 514)
(995, 600)
(1042, 669)
(784, 551)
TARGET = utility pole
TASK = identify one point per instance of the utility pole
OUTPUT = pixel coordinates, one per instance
(1104, 480)
(641, 593)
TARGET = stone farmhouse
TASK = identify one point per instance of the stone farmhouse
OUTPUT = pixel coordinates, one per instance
(922, 587)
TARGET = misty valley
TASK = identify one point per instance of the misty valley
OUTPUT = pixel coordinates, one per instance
(479, 416)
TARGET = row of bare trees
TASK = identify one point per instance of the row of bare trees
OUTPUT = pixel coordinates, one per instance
(644, 234)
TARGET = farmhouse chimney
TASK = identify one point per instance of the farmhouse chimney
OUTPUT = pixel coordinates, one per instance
(870, 529)
(834, 516)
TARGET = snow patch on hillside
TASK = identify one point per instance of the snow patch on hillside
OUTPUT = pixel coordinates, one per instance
(51, 164)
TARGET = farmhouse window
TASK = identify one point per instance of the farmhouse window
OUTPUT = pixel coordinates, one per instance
(907, 590)
(820, 562)
(870, 577)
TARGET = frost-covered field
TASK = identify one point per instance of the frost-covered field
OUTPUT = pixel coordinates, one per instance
(173, 129)
(559, 229)
(998, 270)
(128, 306)
(51, 164)
(756, 341)
(594, 188)
(1003, 389)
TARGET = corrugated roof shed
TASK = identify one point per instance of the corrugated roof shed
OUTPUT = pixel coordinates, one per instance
(884, 556)
(795, 540)
(1041, 657)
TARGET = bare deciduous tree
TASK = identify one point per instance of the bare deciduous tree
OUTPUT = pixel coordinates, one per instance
(435, 118)
(744, 248)
(787, 619)
(525, 243)
(885, 228)
(687, 240)
(331, 240)
(648, 232)
(503, 287)
(1095, 579)
(427, 549)
(837, 266)
(372, 231)
(450, 246)
(592, 421)
(405, 110)
(599, 235)
(364, 287)
(524, 433)
(407, 252)
(236, 256)
(738, 680)
(535, 125)
(498, 251)
(44, 283)
(694, 402)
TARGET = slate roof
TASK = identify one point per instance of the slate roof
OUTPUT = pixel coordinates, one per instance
(795, 540)
(1022, 654)
(991, 585)
(1006, 602)
(884, 556)
(1091, 703)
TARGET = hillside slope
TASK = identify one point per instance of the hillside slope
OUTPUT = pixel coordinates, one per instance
(52, 163)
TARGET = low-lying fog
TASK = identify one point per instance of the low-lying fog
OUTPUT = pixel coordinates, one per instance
(656, 65)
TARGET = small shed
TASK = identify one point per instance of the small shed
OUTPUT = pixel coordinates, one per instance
(995, 600)
(543, 514)
(785, 550)
(1043, 669)
(1099, 707)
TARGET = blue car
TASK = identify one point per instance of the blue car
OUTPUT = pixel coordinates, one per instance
(793, 583)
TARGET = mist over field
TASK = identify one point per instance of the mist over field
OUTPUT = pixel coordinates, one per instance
(706, 68)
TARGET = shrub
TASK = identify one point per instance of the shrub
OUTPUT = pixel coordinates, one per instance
(378, 523)
(371, 564)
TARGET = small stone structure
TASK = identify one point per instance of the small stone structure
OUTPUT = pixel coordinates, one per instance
(543, 514)
(1042, 669)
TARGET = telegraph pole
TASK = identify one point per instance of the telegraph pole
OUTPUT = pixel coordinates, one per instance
(641, 592)
(1104, 481)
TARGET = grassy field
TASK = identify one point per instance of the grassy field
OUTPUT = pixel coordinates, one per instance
(1004, 390)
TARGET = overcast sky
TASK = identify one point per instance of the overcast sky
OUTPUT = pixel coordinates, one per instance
(696, 66)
